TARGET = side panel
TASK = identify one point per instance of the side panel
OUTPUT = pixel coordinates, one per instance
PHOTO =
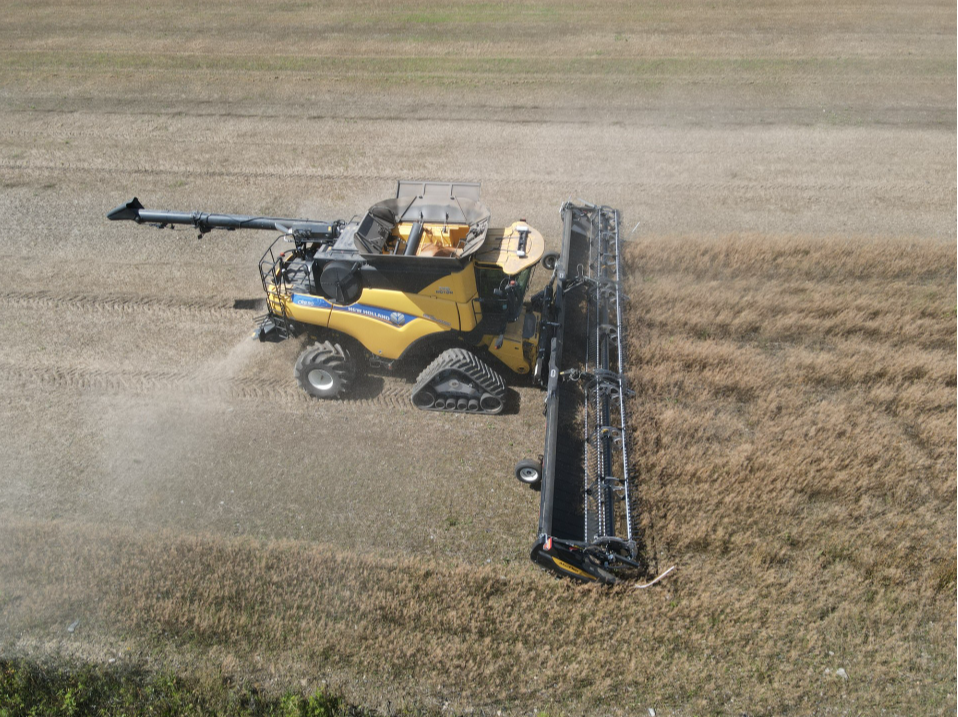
(459, 287)
(414, 274)
(387, 322)
(306, 309)
(469, 315)
(517, 349)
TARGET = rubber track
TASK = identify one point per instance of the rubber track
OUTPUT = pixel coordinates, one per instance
(470, 366)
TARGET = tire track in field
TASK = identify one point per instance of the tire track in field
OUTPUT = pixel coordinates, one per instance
(417, 114)
(740, 187)
(916, 114)
(201, 381)
(869, 73)
(114, 381)
(285, 173)
(124, 304)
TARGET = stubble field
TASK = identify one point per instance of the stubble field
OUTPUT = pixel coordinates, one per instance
(792, 329)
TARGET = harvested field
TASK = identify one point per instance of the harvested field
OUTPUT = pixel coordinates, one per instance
(792, 337)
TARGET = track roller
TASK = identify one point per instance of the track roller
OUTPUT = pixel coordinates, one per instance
(459, 382)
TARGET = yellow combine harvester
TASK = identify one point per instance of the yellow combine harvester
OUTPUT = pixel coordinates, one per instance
(423, 276)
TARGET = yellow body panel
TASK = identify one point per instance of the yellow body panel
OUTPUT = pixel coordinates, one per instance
(385, 322)
(502, 248)
(316, 315)
(439, 310)
(515, 352)
(469, 315)
(381, 337)
(458, 287)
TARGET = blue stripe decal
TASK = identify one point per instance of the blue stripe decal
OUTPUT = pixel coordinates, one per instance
(313, 302)
(396, 318)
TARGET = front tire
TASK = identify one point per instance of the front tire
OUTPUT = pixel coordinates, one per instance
(324, 370)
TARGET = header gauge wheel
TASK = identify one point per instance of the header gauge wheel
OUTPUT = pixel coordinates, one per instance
(529, 471)
(549, 260)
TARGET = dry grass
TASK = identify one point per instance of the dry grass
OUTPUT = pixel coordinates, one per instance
(796, 431)
(794, 423)
(525, 56)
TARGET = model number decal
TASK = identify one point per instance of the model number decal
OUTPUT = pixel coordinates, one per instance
(313, 302)
(437, 320)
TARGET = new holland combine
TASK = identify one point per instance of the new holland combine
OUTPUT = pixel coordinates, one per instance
(422, 276)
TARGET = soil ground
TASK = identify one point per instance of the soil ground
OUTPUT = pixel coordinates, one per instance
(790, 173)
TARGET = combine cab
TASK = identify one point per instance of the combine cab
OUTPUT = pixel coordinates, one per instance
(423, 276)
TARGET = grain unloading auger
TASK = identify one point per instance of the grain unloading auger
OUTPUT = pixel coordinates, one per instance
(423, 275)
(587, 527)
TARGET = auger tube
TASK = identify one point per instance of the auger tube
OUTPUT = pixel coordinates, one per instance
(205, 221)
